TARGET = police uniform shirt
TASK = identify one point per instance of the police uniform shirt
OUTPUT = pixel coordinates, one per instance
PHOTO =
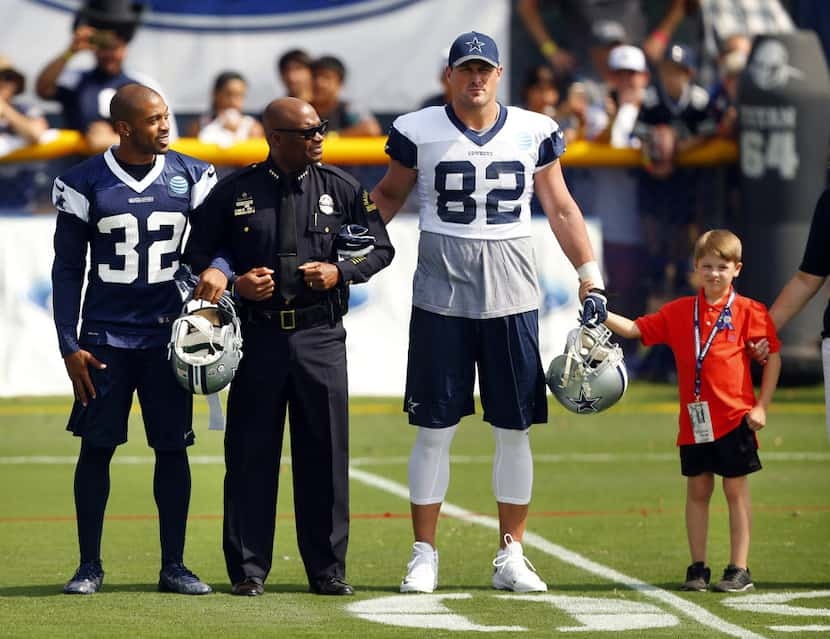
(475, 256)
(240, 219)
(816, 259)
(134, 229)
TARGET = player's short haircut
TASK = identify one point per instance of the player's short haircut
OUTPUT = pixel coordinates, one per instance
(293, 55)
(227, 76)
(725, 244)
(330, 63)
(125, 103)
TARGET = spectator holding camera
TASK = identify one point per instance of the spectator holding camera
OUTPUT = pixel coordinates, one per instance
(104, 28)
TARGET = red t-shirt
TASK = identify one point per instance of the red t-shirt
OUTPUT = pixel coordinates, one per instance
(725, 376)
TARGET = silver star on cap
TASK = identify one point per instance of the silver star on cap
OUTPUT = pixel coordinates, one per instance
(475, 45)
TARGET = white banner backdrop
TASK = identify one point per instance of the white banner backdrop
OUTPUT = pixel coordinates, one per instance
(377, 324)
(393, 49)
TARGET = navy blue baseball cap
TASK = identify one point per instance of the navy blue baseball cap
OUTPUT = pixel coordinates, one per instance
(682, 55)
(473, 46)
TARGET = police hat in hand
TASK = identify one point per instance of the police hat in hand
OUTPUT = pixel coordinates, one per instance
(120, 16)
(353, 240)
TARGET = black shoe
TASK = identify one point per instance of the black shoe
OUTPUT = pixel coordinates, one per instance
(331, 586)
(697, 577)
(248, 587)
(734, 580)
(87, 580)
(177, 578)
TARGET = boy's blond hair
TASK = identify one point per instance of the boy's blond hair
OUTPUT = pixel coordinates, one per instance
(725, 244)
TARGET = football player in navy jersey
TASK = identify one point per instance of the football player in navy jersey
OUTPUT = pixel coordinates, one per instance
(129, 206)
(476, 164)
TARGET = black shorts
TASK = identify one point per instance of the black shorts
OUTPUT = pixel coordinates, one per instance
(166, 407)
(733, 455)
(444, 353)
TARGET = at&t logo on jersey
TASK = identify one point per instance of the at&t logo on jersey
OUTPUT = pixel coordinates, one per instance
(177, 185)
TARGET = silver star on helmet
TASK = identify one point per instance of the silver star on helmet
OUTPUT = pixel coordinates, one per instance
(585, 404)
(475, 45)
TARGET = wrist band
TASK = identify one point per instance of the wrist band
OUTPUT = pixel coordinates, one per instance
(660, 36)
(548, 47)
(590, 271)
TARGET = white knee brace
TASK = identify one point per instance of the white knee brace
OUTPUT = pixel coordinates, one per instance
(512, 466)
(429, 465)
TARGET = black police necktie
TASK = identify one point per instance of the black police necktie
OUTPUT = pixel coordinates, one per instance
(290, 278)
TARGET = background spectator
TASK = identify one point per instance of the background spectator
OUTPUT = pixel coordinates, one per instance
(674, 117)
(105, 29)
(328, 75)
(539, 90)
(616, 198)
(564, 45)
(20, 124)
(227, 124)
(294, 67)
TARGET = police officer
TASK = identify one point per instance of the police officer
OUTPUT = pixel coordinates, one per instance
(276, 222)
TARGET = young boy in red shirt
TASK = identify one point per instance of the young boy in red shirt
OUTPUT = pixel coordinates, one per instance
(719, 413)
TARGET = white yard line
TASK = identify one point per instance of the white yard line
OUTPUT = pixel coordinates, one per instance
(586, 458)
(694, 612)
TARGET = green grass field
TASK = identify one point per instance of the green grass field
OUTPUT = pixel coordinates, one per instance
(607, 535)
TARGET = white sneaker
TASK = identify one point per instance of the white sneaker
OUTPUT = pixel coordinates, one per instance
(422, 571)
(514, 571)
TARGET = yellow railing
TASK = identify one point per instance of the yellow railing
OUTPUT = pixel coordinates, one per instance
(370, 151)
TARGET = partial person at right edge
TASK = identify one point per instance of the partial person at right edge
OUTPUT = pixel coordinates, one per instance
(805, 283)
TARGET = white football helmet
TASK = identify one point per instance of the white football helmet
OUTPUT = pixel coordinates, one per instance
(590, 375)
(206, 345)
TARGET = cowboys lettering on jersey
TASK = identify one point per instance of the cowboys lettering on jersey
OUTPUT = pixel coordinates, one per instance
(134, 229)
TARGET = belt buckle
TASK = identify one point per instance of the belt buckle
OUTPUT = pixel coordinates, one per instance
(288, 320)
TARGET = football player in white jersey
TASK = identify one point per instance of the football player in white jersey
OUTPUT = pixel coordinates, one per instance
(475, 165)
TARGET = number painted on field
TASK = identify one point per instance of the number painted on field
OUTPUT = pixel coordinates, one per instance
(778, 603)
(591, 613)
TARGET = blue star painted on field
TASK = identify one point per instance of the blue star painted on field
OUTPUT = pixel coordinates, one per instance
(584, 404)
(475, 45)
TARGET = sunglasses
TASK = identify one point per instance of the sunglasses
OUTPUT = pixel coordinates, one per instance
(310, 132)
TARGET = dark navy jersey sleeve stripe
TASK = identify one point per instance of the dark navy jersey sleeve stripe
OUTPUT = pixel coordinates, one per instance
(401, 148)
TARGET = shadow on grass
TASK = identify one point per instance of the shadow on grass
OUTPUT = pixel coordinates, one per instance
(49, 590)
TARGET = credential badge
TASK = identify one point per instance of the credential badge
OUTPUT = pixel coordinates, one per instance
(244, 205)
(325, 204)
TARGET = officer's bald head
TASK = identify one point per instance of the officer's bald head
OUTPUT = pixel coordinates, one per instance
(130, 101)
(294, 137)
(288, 113)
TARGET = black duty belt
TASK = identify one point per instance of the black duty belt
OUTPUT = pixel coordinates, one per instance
(294, 319)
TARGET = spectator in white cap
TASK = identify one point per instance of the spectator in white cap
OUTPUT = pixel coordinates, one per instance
(616, 199)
